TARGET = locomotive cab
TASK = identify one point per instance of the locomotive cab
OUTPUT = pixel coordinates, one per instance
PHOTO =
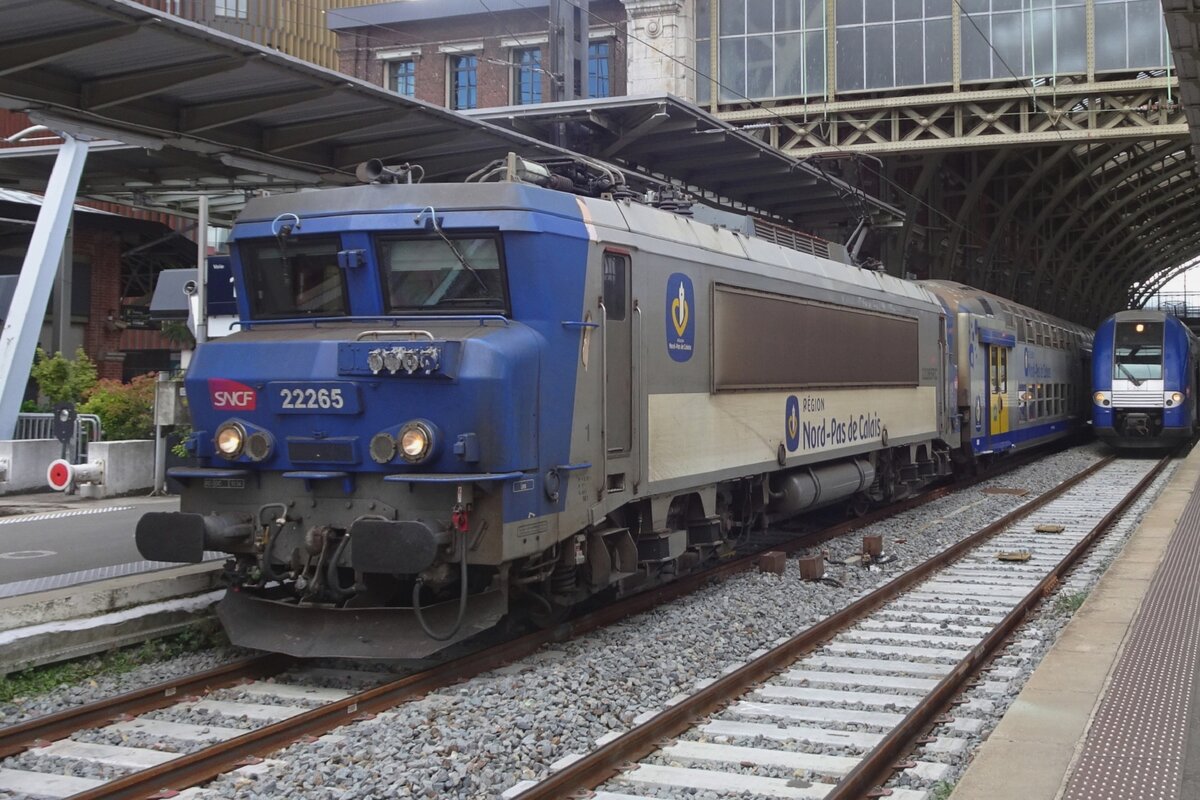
(367, 435)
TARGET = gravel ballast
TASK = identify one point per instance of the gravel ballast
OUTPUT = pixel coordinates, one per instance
(476, 739)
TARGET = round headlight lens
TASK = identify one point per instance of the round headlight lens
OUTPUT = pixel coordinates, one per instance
(416, 441)
(259, 445)
(1099, 398)
(230, 439)
(1176, 398)
(383, 448)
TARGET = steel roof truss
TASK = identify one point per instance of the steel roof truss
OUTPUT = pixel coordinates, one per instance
(198, 118)
(30, 53)
(111, 91)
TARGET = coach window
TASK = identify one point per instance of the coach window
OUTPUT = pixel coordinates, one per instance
(294, 277)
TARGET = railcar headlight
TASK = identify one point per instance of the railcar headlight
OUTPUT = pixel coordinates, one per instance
(391, 360)
(375, 361)
(383, 448)
(1174, 398)
(229, 439)
(259, 445)
(416, 441)
(1101, 399)
(410, 361)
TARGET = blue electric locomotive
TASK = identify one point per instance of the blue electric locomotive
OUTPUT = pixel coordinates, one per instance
(1144, 374)
(448, 403)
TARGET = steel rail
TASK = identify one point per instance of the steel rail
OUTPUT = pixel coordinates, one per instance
(203, 765)
(878, 763)
(194, 768)
(17, 738)
(606, 761)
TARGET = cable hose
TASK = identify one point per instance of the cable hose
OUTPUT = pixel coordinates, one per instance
(462, 603)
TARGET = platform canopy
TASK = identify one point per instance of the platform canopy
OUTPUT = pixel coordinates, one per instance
(182, 108)
(671, 139)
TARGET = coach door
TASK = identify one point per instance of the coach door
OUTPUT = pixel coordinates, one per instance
(997, 391)
(618, 345)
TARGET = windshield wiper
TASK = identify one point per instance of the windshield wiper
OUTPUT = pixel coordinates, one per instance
(461, 258)
(1128, 374)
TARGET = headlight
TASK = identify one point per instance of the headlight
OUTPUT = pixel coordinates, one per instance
(416, 441)
(383, 448)
(1101, 398)
(230, 438)
(1174, 398)
(375, 361)
(259, 445)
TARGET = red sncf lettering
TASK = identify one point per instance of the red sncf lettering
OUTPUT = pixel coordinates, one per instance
(227, 394)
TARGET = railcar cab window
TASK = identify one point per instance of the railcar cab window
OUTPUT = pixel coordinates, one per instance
(453, 275)
(1138, 351)
(294, 277)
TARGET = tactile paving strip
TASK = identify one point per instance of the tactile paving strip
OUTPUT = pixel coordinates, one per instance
(1137, 742)
(59, 514)
(34, 585)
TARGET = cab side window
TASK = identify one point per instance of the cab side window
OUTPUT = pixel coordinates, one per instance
(616, 267)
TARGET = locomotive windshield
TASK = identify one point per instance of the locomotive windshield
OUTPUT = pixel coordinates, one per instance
(452, 274)
(1138, 351)
(294, 277)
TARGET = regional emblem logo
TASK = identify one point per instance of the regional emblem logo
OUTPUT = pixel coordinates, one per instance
(792, 423)
(681, 325)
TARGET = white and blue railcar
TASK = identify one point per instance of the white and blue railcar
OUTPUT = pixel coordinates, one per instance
(1144, 380)
(1021, 375)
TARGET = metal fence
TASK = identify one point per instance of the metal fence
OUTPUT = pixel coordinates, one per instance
(41, 426)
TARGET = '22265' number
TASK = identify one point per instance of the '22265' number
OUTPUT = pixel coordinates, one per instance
(297, 397)
(311, 399)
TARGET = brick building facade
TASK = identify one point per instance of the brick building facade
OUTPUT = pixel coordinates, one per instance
(461, 56)
(102, 290)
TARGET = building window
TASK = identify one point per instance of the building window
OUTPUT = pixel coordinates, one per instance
(527, 75)
(464, 82)
(402, 76)
(764, 49)
(598, 85)
(233, 9)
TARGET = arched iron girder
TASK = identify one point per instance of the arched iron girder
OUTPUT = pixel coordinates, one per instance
(931, 166)
(1153, 156)
(1149, 190)
(976, 187)
(1141, 197)
(1033, 179)
(1136, 227)
(1065, 189)
(1176, 252)
(1147, 290)
(1123, 279)
(1153, 252)
(1119, 285)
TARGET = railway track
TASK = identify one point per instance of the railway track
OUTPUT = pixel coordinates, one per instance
(277, 700)
(835, 712)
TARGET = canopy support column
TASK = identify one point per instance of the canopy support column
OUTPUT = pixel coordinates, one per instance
(24, 324)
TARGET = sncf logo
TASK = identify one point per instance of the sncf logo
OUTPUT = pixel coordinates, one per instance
(231, 395)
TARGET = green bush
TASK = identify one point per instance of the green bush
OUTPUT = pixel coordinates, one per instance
(126, 410)
(61, 380)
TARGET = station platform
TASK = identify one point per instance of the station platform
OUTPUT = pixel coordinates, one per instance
(1113, 710)
(72, 582)
(52, 541)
